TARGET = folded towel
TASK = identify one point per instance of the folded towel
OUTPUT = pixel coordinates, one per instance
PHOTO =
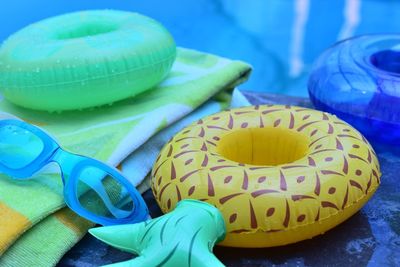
(110, 134)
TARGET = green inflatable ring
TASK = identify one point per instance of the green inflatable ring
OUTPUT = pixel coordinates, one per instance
(84, 59)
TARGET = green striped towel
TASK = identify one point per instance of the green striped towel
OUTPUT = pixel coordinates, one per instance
(35, 227)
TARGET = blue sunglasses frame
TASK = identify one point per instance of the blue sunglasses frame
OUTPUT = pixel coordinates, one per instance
(71, 166)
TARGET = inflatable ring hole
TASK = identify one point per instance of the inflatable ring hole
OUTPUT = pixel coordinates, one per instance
(263, 146)
(85, 30)
(387, 60)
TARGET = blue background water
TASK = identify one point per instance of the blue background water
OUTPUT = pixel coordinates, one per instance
(280, 38)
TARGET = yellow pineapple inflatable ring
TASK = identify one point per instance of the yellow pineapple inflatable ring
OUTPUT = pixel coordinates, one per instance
(279, 174)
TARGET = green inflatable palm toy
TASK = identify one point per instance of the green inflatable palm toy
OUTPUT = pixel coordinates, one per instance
(183, 237)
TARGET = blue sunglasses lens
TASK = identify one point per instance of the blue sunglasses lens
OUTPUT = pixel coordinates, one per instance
(18, 147)
(102, 195)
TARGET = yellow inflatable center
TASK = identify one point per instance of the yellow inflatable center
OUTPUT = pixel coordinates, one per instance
(263, 146)
(278, 174)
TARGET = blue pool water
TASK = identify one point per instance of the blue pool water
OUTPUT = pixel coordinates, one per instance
(280, 38)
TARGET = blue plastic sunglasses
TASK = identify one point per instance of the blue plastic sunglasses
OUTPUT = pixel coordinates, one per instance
(92, 189)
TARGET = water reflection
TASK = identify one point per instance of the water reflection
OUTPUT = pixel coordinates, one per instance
(280, 38)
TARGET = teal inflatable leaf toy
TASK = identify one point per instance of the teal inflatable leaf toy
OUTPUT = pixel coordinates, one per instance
(183, 237)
